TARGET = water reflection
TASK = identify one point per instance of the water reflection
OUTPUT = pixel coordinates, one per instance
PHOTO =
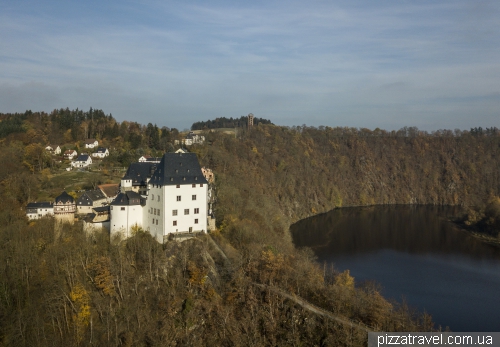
(413, 252)
(412, 229)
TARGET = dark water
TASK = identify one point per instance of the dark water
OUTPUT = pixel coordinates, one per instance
(415, 254)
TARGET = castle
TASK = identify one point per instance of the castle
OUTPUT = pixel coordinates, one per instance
(166, 198)
(163, 198)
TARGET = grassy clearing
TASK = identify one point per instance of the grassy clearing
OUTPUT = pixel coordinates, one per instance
(76, 181)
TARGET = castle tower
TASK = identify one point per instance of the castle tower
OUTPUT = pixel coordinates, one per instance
(65, 208)
(250, 120)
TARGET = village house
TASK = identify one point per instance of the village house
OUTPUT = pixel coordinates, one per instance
(110, 190)
(91, 143)
(54, 149)
(101, 153)
(90, 199)
(83, 160)
(36, 210)
(70, 154)
(191, 139)
(148, 159)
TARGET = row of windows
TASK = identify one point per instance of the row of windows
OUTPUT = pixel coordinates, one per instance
(186, 211)
(193, 197)
(194, 185)
(175, 222)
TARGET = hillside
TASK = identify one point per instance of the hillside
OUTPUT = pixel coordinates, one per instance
(72, 289)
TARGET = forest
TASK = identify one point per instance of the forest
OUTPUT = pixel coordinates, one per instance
(223, 122)
(62, 287)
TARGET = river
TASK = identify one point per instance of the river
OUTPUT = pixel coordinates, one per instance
(416, 255)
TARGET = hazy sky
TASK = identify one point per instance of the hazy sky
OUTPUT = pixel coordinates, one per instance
(388, 64)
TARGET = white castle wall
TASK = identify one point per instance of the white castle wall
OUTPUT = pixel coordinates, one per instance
(123, 218)
(165, 201)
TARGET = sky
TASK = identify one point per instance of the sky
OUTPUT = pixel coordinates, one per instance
(356, 63)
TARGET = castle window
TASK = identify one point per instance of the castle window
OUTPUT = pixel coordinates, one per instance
(175, 223)
(157, 222)
(201, 185)
(186, 211)
(158, 212)
(152, 196)
(178, 186)
(158, 198)
(123, 209)
(196, 221)
(193, 197)
(196, 210)
(174, 212)
(178, 198)
(155, 212)
(194, 185)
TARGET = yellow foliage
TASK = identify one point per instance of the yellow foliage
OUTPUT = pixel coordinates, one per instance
(81, 301)
(103, 279)
(345, 280)
(197, 276)
(254, 149)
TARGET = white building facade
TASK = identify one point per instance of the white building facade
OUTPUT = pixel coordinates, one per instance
(36, 210)
(176, 202)
(101, 153)
(126, 213)
(83, 160)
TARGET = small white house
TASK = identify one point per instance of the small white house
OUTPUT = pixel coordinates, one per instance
(70, 154)
(191, 139)
(83, 160)
(91, 143)
(36, 210)
(101, 153)
(54, 149)
(148, 159)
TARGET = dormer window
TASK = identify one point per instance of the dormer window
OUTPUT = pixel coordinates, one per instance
(184, 178)
(196, 178)
(176, 171)
(171, 179)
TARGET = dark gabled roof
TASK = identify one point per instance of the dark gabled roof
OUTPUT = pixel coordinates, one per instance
(82, 157)
(69, 151)
(128, 198)
(101, 150)
(90, 141)
(101, 209)
(139, 173)
(64, 198)
(41, 204)
(178, 168)
(90, 196)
